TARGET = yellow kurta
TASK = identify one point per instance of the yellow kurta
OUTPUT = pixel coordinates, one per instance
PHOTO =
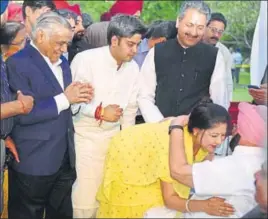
(137, 160)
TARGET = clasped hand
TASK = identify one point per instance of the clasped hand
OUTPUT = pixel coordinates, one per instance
(78, 92)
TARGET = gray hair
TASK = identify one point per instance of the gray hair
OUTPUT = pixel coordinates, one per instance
(49, 22)
(200, 6)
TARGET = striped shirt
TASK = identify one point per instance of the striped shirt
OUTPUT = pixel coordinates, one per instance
(6, 96)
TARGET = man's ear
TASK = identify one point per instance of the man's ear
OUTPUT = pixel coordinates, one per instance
(177, 22)
(40, 36)
(114, 41)
(195, 131)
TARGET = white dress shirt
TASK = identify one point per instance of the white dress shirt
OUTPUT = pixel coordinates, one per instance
(151, 113)
(230, 177)
(228, 67)
(60, 99)
(111, 85)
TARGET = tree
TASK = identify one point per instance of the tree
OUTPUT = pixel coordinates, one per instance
(241, 17)
(94, 8)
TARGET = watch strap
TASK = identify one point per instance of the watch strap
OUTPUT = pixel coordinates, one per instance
(174, 127)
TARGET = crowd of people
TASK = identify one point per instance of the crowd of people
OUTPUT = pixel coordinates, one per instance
(118, 119)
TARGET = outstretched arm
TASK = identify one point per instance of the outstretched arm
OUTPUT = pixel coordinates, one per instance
(180, 170)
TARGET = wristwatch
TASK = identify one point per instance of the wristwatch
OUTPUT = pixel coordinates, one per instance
(174, 127)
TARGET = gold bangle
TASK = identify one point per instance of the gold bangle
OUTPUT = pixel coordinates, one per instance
(187, 206)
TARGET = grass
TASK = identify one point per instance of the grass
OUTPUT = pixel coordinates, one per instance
(240, 92)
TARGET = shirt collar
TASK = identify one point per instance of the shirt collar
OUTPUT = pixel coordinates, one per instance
(144, 46)
(45, 57)
(248, 150)
(111, 60)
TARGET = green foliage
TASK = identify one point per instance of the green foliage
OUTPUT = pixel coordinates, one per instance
(241, 17)
(160, 10)
(94, 8)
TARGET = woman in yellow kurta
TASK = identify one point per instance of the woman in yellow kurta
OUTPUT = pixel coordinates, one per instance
(137, 166)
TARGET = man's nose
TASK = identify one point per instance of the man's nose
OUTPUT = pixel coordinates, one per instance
(217, 35)
(194, 31)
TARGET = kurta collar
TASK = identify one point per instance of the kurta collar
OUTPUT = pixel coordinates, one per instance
(111, 60)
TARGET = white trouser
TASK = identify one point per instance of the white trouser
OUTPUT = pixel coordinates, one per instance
(160, 212)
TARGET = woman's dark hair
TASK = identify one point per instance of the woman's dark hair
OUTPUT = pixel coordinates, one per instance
(122, 25)
(207, 115)
(9, 32)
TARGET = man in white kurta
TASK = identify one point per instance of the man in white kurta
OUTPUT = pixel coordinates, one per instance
(115, 81)
(178, 74)
(231, 177)
(214, 31)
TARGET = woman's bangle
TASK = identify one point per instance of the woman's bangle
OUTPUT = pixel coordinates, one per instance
(187, 206)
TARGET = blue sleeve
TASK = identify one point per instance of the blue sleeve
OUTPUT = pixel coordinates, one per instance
(43, 110)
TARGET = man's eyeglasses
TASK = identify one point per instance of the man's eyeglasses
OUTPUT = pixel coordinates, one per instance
(215, 30)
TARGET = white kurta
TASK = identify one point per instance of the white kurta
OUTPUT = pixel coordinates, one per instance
(228, 59)
(229, 177)
(112, 86)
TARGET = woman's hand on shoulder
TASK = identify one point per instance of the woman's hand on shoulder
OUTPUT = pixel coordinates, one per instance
(180, 120)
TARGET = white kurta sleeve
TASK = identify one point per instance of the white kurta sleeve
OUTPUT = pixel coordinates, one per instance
(229, 62)
(146, 98)
(130, 112)
(82, 73)
(215, 178)
(218, 84)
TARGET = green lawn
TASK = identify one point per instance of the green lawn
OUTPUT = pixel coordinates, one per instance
(240, 90)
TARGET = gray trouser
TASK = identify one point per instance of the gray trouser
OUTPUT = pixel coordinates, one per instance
(2, 161)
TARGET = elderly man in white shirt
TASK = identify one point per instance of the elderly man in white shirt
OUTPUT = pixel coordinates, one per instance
(214, 31)
(177, 74)
(232, 177)
(116, 81)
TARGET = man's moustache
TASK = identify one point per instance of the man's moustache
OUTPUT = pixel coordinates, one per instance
(215, 38)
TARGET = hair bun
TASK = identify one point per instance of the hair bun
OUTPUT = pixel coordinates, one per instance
(205, 99)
